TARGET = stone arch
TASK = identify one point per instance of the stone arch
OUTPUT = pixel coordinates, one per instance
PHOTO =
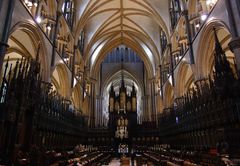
(26, 40)
(109, 46)
(127, 72)
(184, 79)
(205, 51)
(76, 96)
(60, 80)
(114, 78)
(168, 95)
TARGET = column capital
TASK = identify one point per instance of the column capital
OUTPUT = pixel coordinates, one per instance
(234, 44)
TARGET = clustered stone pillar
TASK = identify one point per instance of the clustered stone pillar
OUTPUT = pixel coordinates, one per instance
(145, 112)
(92, 104)
(235, 48)
(153, 100)
(235, 42)
(55, 38)
(6, 11)
(189, 37)
(147, 115)
(73, 65)
(98, 112)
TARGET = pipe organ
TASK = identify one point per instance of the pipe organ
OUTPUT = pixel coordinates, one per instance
(122, 115)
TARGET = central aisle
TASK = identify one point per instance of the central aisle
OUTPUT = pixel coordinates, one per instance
(115, 162)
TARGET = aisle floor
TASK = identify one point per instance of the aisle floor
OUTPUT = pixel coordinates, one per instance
(117, 162)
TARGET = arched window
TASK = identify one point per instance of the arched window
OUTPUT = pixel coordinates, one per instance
(81, 42)
(163, 41)
(68, 12)
(175, 11)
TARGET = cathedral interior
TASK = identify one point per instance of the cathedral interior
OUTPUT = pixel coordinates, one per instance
(120, 82)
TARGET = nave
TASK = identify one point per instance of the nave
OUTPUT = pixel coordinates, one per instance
(42, 129)
(119, 82)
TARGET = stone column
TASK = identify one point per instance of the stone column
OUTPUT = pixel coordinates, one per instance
(171, 64)
(161, 81)
(234, 44)
(92, 103)
(73, 65)
(55, 38)
(145, 111)
(101, 120)
(153, 101)
(189, 37)
(34, 8)
(98, 111)
(6, 11)
(204, 6)
(231, 17)
(238, 6)
(146, 108)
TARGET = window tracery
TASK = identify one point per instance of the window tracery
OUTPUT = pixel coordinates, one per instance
(163, 41)
(175, 12)
(68, 12)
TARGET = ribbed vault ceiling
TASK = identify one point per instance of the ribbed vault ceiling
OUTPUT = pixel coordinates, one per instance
(107, 22)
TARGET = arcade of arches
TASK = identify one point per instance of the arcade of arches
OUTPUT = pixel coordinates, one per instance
(139, 82)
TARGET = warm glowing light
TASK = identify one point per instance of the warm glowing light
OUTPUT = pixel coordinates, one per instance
(74, 82)
(211, 2)
(203, 17)
(208, 2)
(66, 59)
(170, 80)
(29, 4)
(38, 19)
(49, 27)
